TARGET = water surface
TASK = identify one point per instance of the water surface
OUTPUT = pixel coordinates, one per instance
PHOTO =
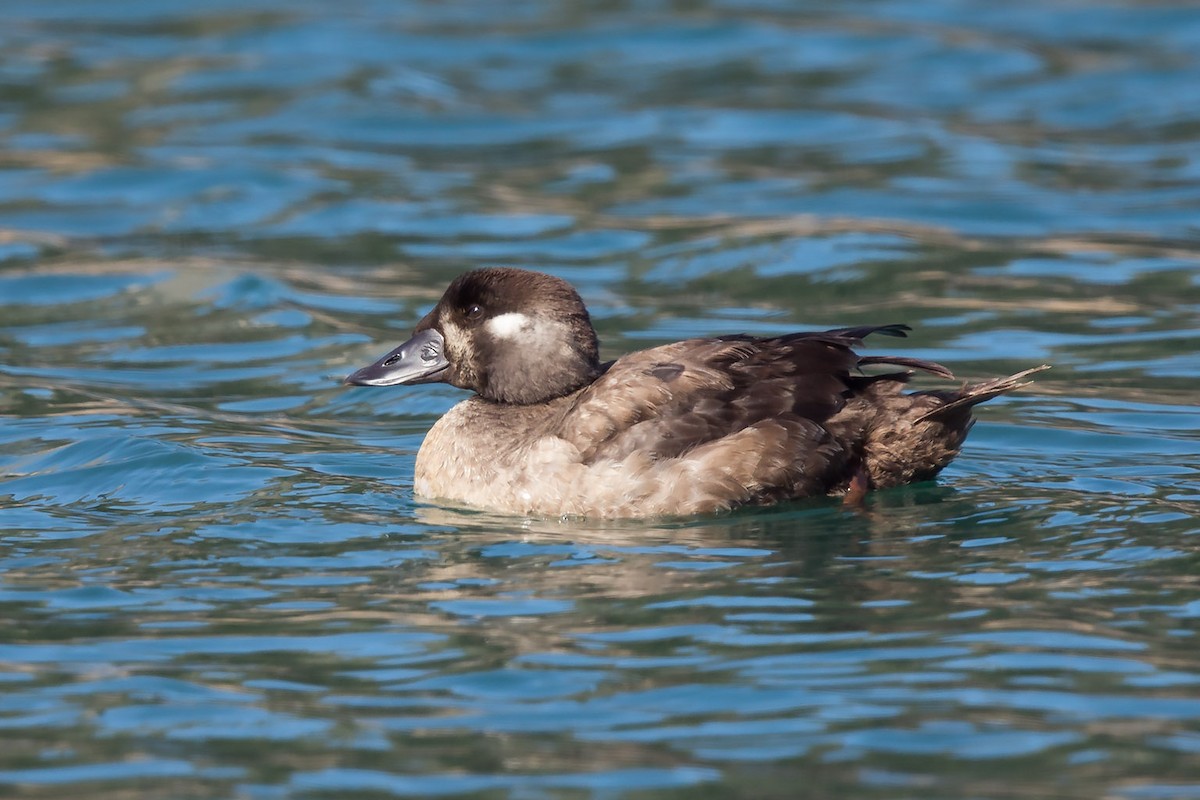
(215, 581)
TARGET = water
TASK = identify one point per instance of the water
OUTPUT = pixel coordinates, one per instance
(215, 582)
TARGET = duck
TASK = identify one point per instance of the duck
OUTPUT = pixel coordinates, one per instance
(700, 426)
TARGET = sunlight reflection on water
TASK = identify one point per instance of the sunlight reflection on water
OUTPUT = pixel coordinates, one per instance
(216, 581)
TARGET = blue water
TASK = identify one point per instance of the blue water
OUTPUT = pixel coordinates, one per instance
(215, 581)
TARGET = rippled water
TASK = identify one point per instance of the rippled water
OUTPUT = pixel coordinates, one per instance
(215, 582)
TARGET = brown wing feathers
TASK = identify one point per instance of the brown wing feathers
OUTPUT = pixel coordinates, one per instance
(672, 399)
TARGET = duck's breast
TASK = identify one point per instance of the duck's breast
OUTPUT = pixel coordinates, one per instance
(498, 457)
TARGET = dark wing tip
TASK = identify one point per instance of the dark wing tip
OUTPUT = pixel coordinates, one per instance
(898, 329)
(931, 367)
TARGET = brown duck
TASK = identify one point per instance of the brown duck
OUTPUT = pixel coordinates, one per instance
(693, 427)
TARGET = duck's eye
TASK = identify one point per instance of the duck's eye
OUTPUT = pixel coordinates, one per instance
(474, 311)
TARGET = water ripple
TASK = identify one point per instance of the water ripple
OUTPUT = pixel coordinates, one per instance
(215, 580)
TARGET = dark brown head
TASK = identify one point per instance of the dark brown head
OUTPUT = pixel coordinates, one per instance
(511, 335)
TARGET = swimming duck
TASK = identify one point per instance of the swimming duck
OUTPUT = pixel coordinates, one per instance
(698, 426)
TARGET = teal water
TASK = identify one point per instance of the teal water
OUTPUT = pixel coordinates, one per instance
(215, 581)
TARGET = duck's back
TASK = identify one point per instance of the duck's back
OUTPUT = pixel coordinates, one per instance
(673, 398)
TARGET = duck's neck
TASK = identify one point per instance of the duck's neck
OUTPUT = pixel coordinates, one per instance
(534, 381)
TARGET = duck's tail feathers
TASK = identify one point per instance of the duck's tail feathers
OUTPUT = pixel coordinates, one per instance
(972, 394)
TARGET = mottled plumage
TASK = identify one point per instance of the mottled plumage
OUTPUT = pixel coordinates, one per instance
(697, 426)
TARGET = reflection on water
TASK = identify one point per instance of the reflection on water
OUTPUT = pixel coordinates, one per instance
(215, 581)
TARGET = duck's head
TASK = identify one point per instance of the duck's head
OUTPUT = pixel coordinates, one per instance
(510, 335)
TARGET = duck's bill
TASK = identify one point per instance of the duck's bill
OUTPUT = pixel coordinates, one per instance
(419, 360)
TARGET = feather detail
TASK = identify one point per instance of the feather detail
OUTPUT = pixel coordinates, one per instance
(975, 393)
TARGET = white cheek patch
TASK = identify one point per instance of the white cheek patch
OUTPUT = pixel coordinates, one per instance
(508, 326)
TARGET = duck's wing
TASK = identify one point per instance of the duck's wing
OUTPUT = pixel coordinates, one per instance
(670, 400)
